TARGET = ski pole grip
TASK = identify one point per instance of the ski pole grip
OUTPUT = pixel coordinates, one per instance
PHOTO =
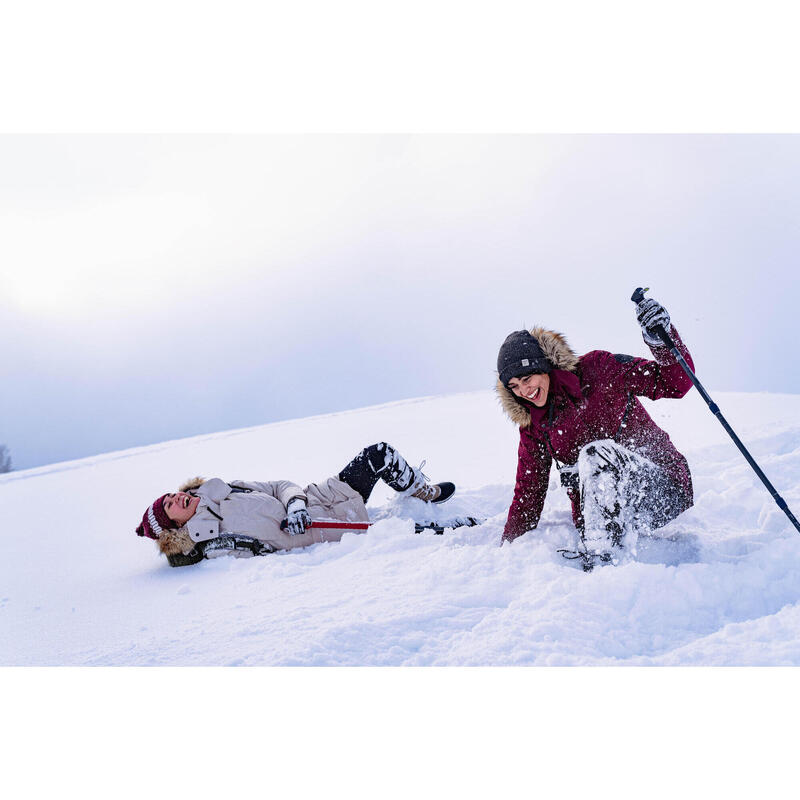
(665, 337)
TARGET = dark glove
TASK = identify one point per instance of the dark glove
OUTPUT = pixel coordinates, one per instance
(650, 314)
(297, 517)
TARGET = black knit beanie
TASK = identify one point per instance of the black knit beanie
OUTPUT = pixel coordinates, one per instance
(520, 355)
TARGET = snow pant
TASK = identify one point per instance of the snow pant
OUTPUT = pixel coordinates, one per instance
(622, 493)
(377, 462)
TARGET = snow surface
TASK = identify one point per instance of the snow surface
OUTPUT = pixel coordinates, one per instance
(719, 586)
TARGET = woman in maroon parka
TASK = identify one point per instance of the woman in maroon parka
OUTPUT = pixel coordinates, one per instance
(621, 471)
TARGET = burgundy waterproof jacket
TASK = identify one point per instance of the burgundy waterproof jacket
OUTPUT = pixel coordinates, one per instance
(591, 397)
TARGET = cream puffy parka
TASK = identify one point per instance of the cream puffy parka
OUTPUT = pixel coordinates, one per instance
(259, 510)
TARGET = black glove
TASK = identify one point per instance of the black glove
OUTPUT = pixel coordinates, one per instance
(297, 517)
(650, 314)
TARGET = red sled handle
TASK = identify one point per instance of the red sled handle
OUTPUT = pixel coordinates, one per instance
(333, 524)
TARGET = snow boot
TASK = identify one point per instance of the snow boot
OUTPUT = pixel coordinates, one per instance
(382, 462)
(604, 469)
(428, 492)
(404, 479)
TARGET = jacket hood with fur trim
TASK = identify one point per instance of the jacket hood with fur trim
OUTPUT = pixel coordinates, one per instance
(558, 352)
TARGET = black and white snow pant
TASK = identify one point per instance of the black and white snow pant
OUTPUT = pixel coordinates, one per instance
(622, 494)
(376, 462)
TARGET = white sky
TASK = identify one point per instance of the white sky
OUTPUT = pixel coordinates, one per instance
(160, 286)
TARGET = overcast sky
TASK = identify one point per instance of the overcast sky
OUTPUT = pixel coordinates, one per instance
(158, 287)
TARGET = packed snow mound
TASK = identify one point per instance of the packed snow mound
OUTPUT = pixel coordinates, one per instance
(719, 585)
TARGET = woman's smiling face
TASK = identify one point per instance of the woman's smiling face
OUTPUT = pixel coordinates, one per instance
(533, 388)
(180, 507)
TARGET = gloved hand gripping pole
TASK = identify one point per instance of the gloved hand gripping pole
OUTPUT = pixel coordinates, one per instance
(637, 298)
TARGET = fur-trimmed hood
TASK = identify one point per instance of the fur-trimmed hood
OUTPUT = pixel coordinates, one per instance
(558, 352)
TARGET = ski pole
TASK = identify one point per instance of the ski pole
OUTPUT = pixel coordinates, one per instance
(436, 527)
(637, 298)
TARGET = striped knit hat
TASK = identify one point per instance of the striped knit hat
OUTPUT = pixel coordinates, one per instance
(155, 520)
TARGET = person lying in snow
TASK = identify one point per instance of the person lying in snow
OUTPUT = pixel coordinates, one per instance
(278, 515)
(621, 471)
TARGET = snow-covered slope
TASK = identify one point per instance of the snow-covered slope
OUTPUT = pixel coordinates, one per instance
(720, 586)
